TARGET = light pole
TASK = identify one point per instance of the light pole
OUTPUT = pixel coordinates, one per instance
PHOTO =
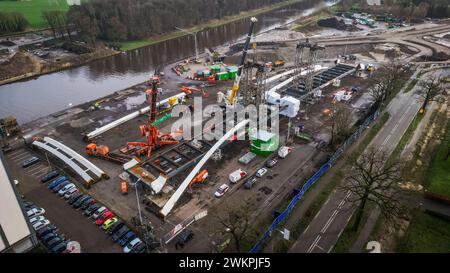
(195, 40)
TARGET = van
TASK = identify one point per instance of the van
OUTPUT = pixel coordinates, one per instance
(237, 175)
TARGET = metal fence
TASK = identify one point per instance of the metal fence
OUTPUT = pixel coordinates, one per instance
(312, 180)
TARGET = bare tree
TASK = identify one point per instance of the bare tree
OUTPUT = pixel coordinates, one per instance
(237, 222)
(341, 119)
(373, 178)
(431, 89)
(388, 80)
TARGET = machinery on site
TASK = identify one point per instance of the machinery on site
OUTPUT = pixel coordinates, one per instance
(149, 130)
(237, 80)
(103, 152)
(200, 178)
(191, 90)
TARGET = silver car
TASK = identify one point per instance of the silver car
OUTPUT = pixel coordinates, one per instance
(67, 187)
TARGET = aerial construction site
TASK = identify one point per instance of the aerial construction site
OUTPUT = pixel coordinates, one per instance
(225, 141)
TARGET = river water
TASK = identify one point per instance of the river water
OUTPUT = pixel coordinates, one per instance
(47, 94)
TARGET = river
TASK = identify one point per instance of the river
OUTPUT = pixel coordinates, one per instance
(47, 94)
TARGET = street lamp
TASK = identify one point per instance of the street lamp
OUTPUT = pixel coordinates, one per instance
(195, 40)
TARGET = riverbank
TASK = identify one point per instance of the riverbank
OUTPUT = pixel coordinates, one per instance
(131, 45)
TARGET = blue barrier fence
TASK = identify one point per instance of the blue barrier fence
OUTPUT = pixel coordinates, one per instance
(312, 180)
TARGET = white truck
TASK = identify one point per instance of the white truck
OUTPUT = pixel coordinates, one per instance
(237, 175)
(284, 151)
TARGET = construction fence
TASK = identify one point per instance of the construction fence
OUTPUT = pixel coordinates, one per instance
(312, 180)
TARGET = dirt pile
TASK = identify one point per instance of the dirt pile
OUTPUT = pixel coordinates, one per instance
(333, 22)
(19, 64)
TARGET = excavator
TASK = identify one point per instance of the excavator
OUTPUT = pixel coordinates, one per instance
(199, 178)
(235, 89)
(149, 130)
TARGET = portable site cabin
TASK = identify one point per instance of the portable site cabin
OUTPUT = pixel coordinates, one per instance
(264, 143)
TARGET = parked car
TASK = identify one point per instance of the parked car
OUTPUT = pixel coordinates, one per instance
(120, 233)
(40, 224)
(91, 209)
(30, 161)
(108, 223)
(250, 182)
(66, 188)
(140, 248)
(271, 162)
(132, 245)
(75, 197)
(35, 212)
(70, 193)
(128, 237)
(59, 247)
(56, 182)
(104, 217)
(45, 230)
(80, 201)
(49, 236)
(261, 172)
(36, 218)
(55, 241)
(117, 225)
(99, 212)
(185, 236)
(86, 203)
(49, 176)
(60, 186)
(222, 190)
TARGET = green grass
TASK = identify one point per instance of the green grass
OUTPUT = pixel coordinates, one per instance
(406, 137)
(426, 234)
(349, 235)
(438, 175)
(411, 85)
(32, 9)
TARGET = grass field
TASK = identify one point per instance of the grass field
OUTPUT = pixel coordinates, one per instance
(438, 175)
(32, 9)
(426, 234)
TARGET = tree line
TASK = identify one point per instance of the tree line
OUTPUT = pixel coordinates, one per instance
(12, 22)
(119, 20)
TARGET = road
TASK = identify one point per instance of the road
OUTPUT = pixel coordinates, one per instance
(327, 226)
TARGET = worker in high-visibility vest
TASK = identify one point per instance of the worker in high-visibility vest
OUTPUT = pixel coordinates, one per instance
(124, 189)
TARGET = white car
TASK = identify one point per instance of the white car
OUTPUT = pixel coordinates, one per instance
(36, 218)
(98, 212)
(69, 193)
(222, 190)
(35, 212)
(40, 224)
(261, 172)
(131, 245)
(67, 187)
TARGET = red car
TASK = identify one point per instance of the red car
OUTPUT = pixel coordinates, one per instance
(105, 216)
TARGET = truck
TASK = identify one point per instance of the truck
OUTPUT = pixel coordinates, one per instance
(284, 151)
(237, 175)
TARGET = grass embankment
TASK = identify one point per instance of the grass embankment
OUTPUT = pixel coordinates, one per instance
(426, 234)
(438, 175)
(32, 9)
(406, 137)
(318, 202)
(130, 45)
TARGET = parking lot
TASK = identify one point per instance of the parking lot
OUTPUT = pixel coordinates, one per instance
(69, 221)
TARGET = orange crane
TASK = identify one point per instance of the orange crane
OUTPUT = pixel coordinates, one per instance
(149, 130)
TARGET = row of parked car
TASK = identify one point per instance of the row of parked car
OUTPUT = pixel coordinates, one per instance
(46, 232)
(102, 216)
(240, 174)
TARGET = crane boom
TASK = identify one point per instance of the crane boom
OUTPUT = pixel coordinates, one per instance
(237, 80)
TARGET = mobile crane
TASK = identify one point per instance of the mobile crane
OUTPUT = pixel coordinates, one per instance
(237, 80)
(149, 130)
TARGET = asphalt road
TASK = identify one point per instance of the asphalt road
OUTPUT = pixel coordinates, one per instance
(327, 226)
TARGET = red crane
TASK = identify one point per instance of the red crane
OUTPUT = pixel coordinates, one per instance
(149, 130)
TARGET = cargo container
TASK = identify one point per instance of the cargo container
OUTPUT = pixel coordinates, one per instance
(222, 76)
